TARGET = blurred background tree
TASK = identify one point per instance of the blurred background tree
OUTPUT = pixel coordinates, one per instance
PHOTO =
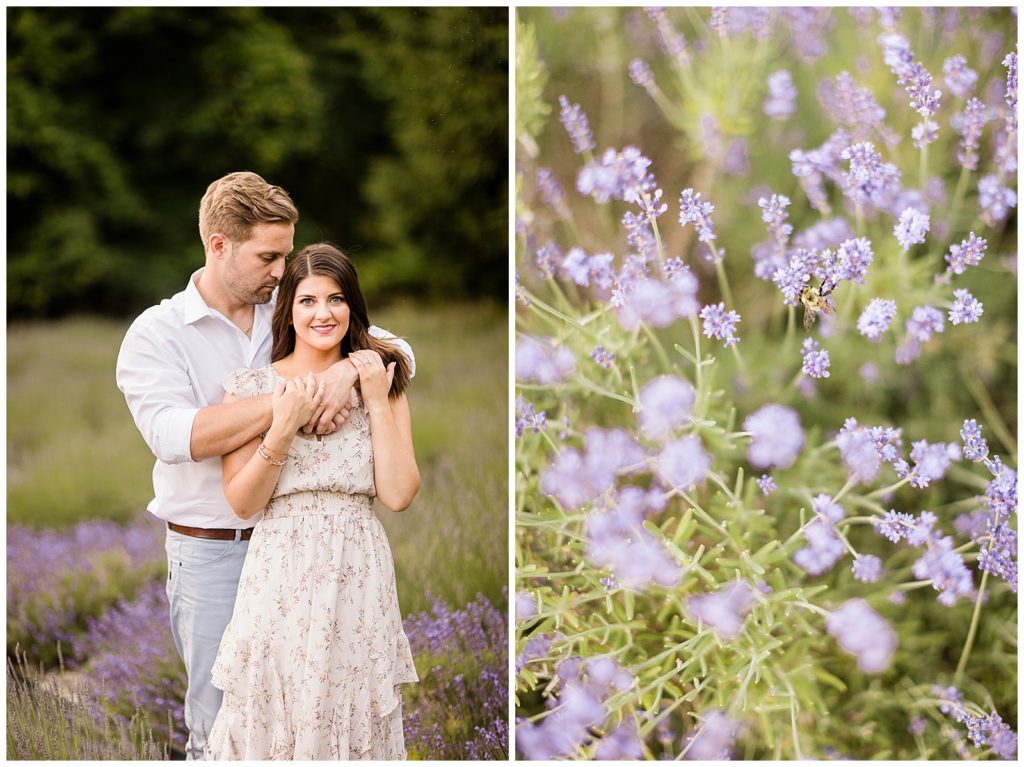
(388, 127)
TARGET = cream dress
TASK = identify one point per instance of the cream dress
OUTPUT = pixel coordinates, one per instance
(312, 660)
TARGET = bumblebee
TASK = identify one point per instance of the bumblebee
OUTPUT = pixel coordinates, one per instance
(816, 300)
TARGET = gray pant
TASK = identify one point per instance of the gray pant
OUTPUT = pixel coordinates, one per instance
(202, 580)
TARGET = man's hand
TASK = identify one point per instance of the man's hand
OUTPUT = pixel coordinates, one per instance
(334, 407)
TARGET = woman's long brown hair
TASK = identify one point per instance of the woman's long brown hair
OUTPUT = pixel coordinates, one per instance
(322, 258)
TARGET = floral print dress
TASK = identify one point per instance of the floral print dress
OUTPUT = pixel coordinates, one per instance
(312, 660)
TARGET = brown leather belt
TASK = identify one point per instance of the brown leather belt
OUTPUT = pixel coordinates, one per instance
(218, 534)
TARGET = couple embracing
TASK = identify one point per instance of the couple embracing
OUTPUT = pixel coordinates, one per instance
(277, 412)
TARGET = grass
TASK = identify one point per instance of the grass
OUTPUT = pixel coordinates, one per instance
(74, 452)
(49, 718)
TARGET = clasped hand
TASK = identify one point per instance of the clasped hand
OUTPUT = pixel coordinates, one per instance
(374, 379)
(295, 401)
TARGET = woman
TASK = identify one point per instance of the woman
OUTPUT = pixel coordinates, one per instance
(311, 661)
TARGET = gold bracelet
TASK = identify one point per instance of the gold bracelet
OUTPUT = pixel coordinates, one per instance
(274, 452)
(266, 456)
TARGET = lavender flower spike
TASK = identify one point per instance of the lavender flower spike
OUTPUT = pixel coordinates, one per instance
(577, 126)
(862, 632)
(777, 437)
(968, 253)
(693, 211)
(781, 101)
(816, 360)
(719, 323)
(876, 318)
(911, 229)
(965, 309)
(723, 610)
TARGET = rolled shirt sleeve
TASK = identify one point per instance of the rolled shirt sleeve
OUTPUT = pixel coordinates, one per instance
(156, 385)
(401, 343)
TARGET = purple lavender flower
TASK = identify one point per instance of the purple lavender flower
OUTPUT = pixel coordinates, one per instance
(924, 321)
(527, 418)
(931, 461)
(576, 125)
(737, 159)
(968, 253)
(876, 318)
(777, 437)
(551, 192)
(617, 541)
(795, 275)
(896, 52)
(641, 75)
(719, 20)
(862, 632)
(658, 302)
(807, 28)
(917, 81)
(959, 78)
(824, 234)
(850, 105)
(946, 570)
(911, 228)
(621, 743)
(526, 607)
(651, 206)
(781, 101)
(995, 199)
(603, 357)
(724, 610)
(816, 360)
(859, 452)
(719, 323)
(548, 258)
(869, 181)
(867, 568)
(673, 42)
(852, 259)
(773, 213)
(576, 479)
(714, 740)
(541, 360)
(811, 167)
(665, 404)
(767, 485)
(1010, 62)
(966, 308)
(616, 175)
(683, 463)
(975, 447)
(827, 509)
(975, 113)
(824, 548)
(586, 270)
(895, 525)
(693, 210)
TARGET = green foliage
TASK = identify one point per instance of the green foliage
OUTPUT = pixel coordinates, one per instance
(531, 79)
(353, 111)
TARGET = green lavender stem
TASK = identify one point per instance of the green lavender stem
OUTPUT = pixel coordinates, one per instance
(971, 632)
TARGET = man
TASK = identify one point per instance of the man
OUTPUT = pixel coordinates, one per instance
(170, 368)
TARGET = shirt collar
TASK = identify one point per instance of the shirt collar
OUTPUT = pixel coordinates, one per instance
(195, 306)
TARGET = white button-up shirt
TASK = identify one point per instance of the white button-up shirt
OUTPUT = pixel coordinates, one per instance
(173, 362)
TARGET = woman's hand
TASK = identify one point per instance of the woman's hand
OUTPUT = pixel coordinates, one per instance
(295, 401)
(374, 378)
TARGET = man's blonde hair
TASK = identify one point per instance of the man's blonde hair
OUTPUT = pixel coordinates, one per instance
(235, 203)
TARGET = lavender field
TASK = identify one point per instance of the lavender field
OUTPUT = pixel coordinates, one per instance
(92, 670)
(766, 374)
